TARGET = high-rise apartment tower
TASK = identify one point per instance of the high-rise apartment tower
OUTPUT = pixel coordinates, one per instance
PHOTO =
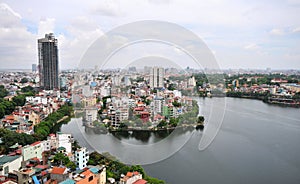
(48, 62)
(157, 77)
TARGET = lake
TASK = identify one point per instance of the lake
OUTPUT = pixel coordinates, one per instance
(257, 143)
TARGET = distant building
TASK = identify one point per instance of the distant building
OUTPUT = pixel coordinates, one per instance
(34, 68)
(81, 157)
(157, 77)
(158, 104)
(192, 82)
(235, 83)
(63, 82)
(48, 62)
(91, 114)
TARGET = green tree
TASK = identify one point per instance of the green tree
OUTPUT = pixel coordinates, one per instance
(9, 106)
(60, 158)
(3, 91)
(24, 80)
(71, 165)
(2, 111)
(27, 89)
(19, 100)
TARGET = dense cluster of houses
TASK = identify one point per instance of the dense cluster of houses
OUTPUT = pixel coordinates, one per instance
(33, 163)
(122, 103)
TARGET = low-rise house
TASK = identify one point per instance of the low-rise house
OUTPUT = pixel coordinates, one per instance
(32, 151)
(24, 175)
(100, 172)
(65, 140)
(9, 164)
(6, 180)
(51, 143)
(59, 174)
(131, 177)
(86, 177)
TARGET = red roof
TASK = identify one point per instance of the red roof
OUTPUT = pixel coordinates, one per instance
(35, 158)
(19, 152)
(35, 143)
(86, 173)
(139, 108)
(140, 181)
(58, 170)
(43, 173)
(10, 117)
(129, 174)
(42, 166)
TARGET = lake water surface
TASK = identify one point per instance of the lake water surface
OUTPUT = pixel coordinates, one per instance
(257, 143)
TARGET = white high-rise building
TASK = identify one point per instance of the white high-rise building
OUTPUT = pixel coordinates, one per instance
(81, 157)
(157, 77)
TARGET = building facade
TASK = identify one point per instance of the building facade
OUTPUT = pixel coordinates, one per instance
(9, 164)
(65, 140)
(81, 157)
(157, 77)
(32, 151)
(48, 62)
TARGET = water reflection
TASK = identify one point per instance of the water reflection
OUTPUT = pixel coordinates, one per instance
(139, 135)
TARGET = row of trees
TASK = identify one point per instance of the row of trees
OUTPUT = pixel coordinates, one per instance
(240, 94)
(50, 125)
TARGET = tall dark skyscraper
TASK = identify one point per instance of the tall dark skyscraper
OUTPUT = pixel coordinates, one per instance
(48, 62)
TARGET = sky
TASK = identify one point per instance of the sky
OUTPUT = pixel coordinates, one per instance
(256, 34)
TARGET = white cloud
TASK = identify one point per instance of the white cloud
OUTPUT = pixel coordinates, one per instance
(277, 32)
(16, 42)
(160, 1)
(223, 25)
(82, 32)
(296, 30)
(107, 8)
(8, 17)
(251, 46)
(5, 8)
(46, 25)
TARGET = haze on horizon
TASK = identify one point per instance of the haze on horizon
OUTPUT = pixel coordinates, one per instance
(241, 34)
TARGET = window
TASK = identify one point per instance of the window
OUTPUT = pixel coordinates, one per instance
(6, 170)
(91, 178)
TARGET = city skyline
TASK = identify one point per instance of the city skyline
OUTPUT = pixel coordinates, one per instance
(254, 35)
